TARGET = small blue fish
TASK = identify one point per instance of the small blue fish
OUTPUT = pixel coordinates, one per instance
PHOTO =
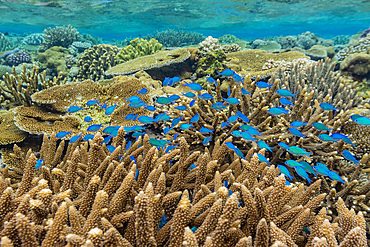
(111, 148)
(228, 92)
(158, 143)
(302, 173)
(321, 169)
(169, 148)
(210, 80)
(142, 91)
(232, 118)
(194, 119)
(297, 124)
(146, 120)
(296, 132)
(355, 116)
(166, 81)
(192, 103)
(345, 138)
(193, 86)
(224, 124)
(133, 99)
(298, 151)
(110, 110)
(230, 145)
(174, 97)
(364, 121)
(137, 134)
(174, 80)
(263, 84)
(237, 78)
(285, 101)
(137, 128)
(94, 127)
(326, 137)
(88, 137)
(292, 163)
(164, 100)
(262, 158)
(206, 96)
(138, 105)
(74, 138)
(236, 133)
(175, 136)
(285, 171)
(166, 130)
(189, 94)
(185, 126)
(247, 127)
(107, 139)
(109, 129)
(245, 92)
(218, 106)
(283, 145)
(129, 116)
(103, 106)
(243, 117)
(247, 136)
(321, 126)
(263, 145)
(232, 101)
(335, 176)
(39, 163)
(192, 167)
(162, 117)
(285, 93)
(207, 140)
(205, 130)
(347, 154)
(180, 108)
(226, 72)
(307, 167)
(150, 108)
(328, 107)
(278, 111)
(74, 109)
(175, 121)
(87, 119)
(92, 102)
(62, 134)
(137, 174)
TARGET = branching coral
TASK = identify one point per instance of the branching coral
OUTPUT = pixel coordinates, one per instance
(138, 48)
(59, 36)
(362, 45)
(173, 38)
(74, 200)
(96, 60)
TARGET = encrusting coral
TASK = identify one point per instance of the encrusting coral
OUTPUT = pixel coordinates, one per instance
(88, 196)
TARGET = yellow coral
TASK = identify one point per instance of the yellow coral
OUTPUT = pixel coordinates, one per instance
(138, 47)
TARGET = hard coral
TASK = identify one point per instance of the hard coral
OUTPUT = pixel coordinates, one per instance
(138, 48)
(18, 58)
(357, 65)
(362, 45)
(210, 44)
(96, 60)
(173, 38)
(54, 60)
(5, 44)
(59, 36)
(9, 132)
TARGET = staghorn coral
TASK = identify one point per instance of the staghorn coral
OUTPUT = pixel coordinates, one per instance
(59, 36)
(320, 79)
(138, 48)
(96, 60)
(173, 38)
(158, 61)
(17, 89)
(255, 207)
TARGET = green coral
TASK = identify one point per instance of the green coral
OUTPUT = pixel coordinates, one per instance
(228, 39)
(55, 60)
(211, 62)
(138, 48)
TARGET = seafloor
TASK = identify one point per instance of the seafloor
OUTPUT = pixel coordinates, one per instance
(177, 139)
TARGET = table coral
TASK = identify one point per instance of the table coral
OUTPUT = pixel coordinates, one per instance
(9, 131)
(96, 60)
(250, 202)
(138, 48)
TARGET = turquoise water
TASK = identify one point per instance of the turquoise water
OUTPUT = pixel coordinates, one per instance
(112, 19)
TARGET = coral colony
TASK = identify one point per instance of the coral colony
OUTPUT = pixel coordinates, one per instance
(176, 139)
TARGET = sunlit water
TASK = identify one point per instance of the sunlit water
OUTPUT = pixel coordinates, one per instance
(246, 19)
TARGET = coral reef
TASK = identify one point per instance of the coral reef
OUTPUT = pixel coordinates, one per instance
(54, 60)
(357, 65)
(158, 61)
(209, 63)
(228, 39)
(231, 48)
(358, 46)
(138, 48)
(93, 40)
(89, 197)
(18, 58)
(17, 89)
(96, 60)
(59, 36)
(5, 44)
(80, 46)
(210, 44)
(33, 39)
(173, 38)
(9, 132)
(341, 39)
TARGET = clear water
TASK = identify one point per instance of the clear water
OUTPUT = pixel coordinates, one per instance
(117, 19)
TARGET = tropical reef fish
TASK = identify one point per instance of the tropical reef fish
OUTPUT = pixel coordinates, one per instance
(364, 121)
(162, 117)
(242, 116)
(224, 124)
(206, 96)
(285, 93)
(189, 94)
(88, 137)
(233, 147)
(218, 106)
(345, 138)
(191, 104)
(87, 119)
(74, 109)
(194, 119)
(245, 92)
(210, 80)
(347, 154)
(158, 143)
(247, 136)
(298, 151)
(292, 163)
(232, 101)
(111, 148)
(328, 107)
(263, 145)
(62, 134)
(278, 111)
(262, 158)
(94, 127)
(302, 173)
(296, 132)
(205, 130)
(237, 78)
(185, 126)
(321, 126)
(150, 108)
(335, 176)
(166, 81)
(226, 72)
(39, 163)
(207, 140)
(232, 118)
(142, 91)
(110, 110)
(307, 167)
(193, 86)
(285, 101)
(285, 171)
(92, 102)
(174, 97)
(164, 100)
(110, 129)
(146, 120)
(297, 124)
(326, 137)
(74, 138)
(263, 84)
(174, 80)
(283, 145)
